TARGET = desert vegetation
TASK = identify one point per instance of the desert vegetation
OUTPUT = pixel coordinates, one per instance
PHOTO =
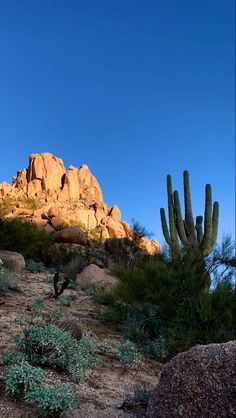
(159, 305)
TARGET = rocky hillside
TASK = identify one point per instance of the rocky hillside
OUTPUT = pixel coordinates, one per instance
(52, 198)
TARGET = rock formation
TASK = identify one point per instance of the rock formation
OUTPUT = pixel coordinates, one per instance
(52, 198)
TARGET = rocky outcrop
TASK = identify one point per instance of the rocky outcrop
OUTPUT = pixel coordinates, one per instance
(52, 198)
(198, 383)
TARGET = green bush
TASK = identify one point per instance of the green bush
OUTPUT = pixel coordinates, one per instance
(56, 314)
(121, 250)
(24, 238)
(12, 358)
(56, 347)
(157, 349)
(35, 267)
(105, 347)
(37, 306)
(64, 300)
(22, 378)
(103, 296)
(168, 297)
(128, 354)
(54, 401)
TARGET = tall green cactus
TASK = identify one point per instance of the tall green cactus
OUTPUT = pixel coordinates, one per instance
(184, 230)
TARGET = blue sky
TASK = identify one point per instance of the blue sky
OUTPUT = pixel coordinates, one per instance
(136, 89)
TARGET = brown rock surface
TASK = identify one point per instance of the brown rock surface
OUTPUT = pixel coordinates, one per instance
(199, 383)
(46, 168)
(86, 217)
(58, 223)
(115, 213)
(93, 275)
(114, 227)
(14, 258)
(71, 187)
(73, 235)
(89, 182)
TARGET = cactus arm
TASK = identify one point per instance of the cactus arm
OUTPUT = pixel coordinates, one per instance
(214, 233)
(173, 230)
(215, 222)
(206, 240)
(179, 219)
(199, 220)
(188, 209)
(164, 227)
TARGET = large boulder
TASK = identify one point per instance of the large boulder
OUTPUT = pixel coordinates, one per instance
(73, 235)
(93, 275)
(71, 189)
(12, 258)
(89, 183)
(45, 171)
(199, 383)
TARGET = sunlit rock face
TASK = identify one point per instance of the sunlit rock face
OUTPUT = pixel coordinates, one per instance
(52, 197)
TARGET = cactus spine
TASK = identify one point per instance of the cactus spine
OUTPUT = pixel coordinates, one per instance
(187, 232)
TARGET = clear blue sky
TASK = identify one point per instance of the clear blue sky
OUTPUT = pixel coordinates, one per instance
(136, 89)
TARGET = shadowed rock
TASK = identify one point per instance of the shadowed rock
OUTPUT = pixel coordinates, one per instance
(199, 383)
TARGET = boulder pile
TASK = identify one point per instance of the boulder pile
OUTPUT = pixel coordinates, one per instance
(53, 198)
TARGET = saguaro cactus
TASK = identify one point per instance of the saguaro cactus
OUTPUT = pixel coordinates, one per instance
(184, 230)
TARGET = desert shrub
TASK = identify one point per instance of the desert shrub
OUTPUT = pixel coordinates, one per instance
(24, 238)
(12, 358)
(83, 359)
(56, 314)
(105, 347)
(7, 285)
(103, 296)
(54, 401)
(71, 325)
(128, 354)
(121, 250)
(168, 297)
(30, 203)
(139, 398)
(65, 300)
(37, 306)
(35, 267)
(6, 206)
(22, 378)
(95, 234)
(56, 347)
(157, 349)
(23, 319)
